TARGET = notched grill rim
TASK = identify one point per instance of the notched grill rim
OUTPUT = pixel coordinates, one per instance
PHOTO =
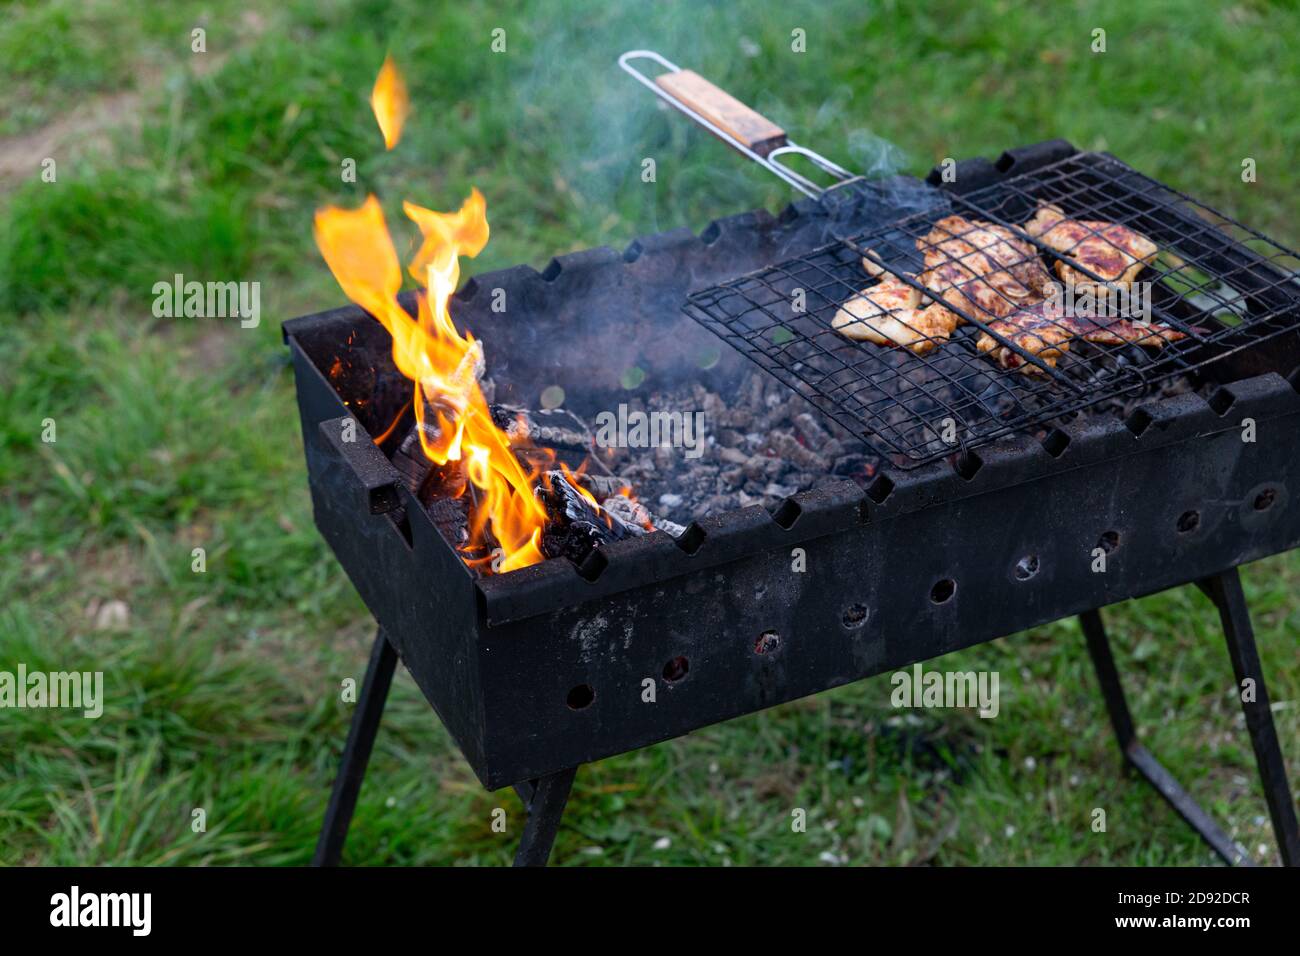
(898, 402)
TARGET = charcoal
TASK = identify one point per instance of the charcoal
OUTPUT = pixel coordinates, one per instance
(854, 466)
(792, 450)
(773, 490)
(574, 527)
(763, 466)
(667, 527)
(635, 513)
(762, 444)
(810, 430)
(629, 511)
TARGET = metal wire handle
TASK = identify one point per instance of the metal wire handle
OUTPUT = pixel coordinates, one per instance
(768, 159)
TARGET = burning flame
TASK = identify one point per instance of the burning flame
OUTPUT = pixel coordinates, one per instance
(455, 422)
(389, 101)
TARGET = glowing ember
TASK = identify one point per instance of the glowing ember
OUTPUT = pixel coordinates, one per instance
(389, 101)
(455, 422)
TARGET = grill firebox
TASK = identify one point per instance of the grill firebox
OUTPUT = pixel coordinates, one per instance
(541, 669)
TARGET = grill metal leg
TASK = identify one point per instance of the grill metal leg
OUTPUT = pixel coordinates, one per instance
(545, 799)
(1142, 759)
(1225, 590)
(356, 753)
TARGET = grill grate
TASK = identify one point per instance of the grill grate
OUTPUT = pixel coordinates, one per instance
(1218, 285)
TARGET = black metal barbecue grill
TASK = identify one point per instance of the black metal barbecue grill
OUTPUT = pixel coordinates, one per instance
(541, 669)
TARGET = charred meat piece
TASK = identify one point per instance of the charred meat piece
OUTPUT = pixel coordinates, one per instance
(889, 313)
(1113, 330)
(1114, 252)
(1043, 330)
(1037, 329)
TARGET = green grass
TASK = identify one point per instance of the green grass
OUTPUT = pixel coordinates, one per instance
(223, 687)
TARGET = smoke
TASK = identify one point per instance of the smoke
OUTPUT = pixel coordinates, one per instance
(626, 164)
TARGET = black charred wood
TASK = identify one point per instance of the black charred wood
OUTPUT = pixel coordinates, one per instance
(425, 479)
(574, 527)
(451, 517)
(552, 428)
(603, 486)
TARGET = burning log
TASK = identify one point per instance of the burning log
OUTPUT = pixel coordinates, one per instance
(425, 479)
(451, 517)
(575, 523)
(603, 487)
(553, 428)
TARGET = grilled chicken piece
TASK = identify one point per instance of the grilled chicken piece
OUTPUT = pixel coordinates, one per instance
(978, 269)
(1038, 329)
(873, 267)
(988, 249)
(1112, 330)
(890, 313)
(1114, 252)
(985, 297)
(1043, 330)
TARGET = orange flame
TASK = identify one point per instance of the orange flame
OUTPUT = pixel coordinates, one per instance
(389, 101)
(441, 362)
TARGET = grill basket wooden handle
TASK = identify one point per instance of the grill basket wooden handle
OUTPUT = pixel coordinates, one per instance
(731, 121)
(723, 110)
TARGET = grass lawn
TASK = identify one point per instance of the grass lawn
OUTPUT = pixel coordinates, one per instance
(222, 687)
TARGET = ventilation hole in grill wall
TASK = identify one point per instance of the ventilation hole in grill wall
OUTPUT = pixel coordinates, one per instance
(1026, 567)
(1222, 401)
(552, 270)
(580, 697)
(711, 233)
(1264, 500)
(1055, 442)
(880, 489)
(676, 669)
(401, 521)
(968, 465)
(1108, 541)
(767, 643)
(1139, 421)
(943, 591)
(787, 514)
(691, 539)
(593, 565)
(633, 251)
(854, 616)
(1188, 522)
